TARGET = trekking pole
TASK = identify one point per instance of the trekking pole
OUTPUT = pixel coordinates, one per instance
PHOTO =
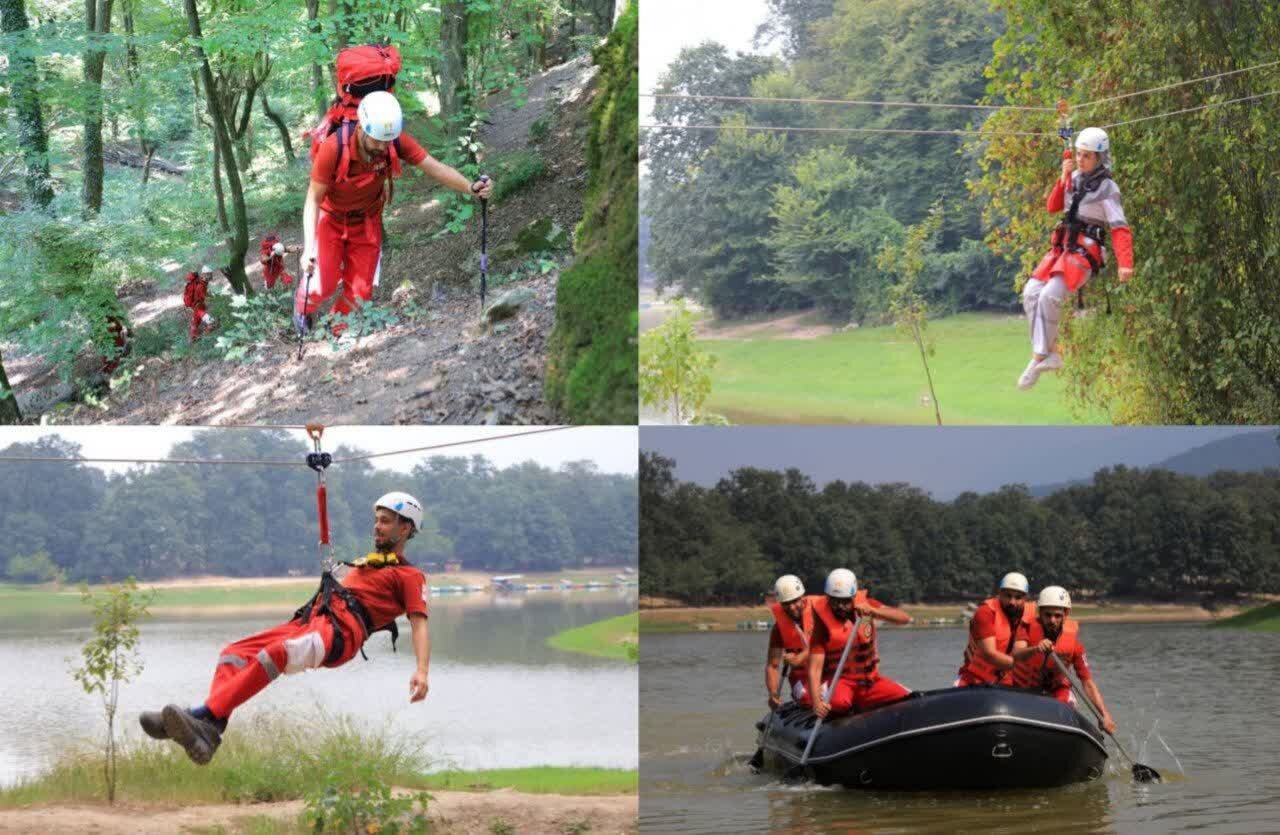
(300, 319)
(484, 235)
(320, 461)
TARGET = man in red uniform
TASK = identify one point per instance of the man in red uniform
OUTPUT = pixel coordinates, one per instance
(342, 217)
(1054, 631)
(194, 296)
(272, 259)
(326, 632)
(848, 614)
(788, 640)
(119, 333)
(996, 628)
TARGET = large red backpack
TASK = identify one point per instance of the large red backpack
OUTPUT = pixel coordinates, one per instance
(361, 70)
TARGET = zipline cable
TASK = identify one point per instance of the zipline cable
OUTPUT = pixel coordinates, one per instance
(804, 129)
(452, 444)
(1191, 109)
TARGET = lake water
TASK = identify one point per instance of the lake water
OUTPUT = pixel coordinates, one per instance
(1211, 696)
(499, 696)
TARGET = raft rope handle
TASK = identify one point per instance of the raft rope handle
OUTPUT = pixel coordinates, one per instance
(319, 461)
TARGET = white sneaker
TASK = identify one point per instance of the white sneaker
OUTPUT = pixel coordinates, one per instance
(1030, 375)
(1050, 363)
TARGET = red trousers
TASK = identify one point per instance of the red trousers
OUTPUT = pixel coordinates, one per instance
(269, 276)
(250, 664)
(851, 696)
(197, 316)
(348, 252)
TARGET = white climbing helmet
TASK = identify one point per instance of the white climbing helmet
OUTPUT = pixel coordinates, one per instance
(1093, 139)
(841, 583)
(277, 248)
(380, 116)
(403, 504)
(1014, 582)
(206, 270)
(1054, 596)
(788, 588)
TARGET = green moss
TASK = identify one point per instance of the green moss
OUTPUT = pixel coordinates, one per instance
(591, 356)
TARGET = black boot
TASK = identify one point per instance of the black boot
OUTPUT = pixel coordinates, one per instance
(200, 738)
(152, 723)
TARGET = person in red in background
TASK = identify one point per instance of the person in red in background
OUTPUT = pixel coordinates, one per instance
(788, 640)
(326, 632)
(994, 632)
(272, 259)
(119, 333)
(1054, 631)
(1078, 248)
(845, 614)
(342, 216)
(194, 297)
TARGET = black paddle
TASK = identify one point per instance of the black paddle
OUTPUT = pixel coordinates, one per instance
(795, 771)
(757, 759)
(1141, 773)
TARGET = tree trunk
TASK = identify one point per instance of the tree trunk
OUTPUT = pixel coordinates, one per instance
(454, 95)
(97, 20)
(217, 190)
(145, 146)
(26, 107)
(8, 400)
(319, 90)
(238, 242)
(280, 126)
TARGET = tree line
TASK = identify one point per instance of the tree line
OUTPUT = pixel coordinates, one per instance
(1150, 534)
(74, 522)
(753, 222)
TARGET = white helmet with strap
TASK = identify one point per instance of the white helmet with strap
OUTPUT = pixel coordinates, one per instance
(1093, 139)
(206, 270)
(380, 116)
(788, 588)
(1054, 596)
(1015, 582)
(841, 583)
(403, 504)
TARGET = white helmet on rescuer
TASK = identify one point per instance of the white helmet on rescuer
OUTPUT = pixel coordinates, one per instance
(1093, 139)
(788, 588)
(277, 248)
(1014, 582)
(1054, 596)
(206, 270)
(403, 504)
(380, 116)
(841, 583)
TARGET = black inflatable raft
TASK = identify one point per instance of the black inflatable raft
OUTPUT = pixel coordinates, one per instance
(958, 738)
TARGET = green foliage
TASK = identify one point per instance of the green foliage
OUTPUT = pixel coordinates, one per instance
(365, 319)
(253, 322)
(110, 657)
(514, 172)
(675, 376)
(907, 304)
(609, 638)
(361, 802)
(1130, 533)
(591, 354)
(540, 128)
(501, 827)
(1193, 337)
(33, 568)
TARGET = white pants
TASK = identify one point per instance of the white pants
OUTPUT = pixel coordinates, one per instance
(1042, 301)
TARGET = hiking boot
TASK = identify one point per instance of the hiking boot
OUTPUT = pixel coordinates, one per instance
(152, 723)
(1030, 375)
(198, 737)
(1050, 363)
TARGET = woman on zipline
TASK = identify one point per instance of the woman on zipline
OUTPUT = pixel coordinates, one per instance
(1078, 248)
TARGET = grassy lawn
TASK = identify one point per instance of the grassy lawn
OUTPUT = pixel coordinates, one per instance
(873, 375)
(543, 780)
(26, 601)
(1262, 619)
(608, 638)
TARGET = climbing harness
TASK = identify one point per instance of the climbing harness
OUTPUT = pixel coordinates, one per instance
(1067, 234)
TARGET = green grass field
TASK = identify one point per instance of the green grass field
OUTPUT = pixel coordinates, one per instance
(544, 780)
(27, 601)
(874, 375)
(608, 638)
(1262, 619)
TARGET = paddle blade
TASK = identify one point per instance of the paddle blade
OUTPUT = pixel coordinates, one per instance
(757, 760)
(1145, 774)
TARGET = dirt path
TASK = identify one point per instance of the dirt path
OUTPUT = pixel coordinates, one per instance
(441, 366)
(451, 811)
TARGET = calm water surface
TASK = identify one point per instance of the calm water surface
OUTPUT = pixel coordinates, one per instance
(1207, 699)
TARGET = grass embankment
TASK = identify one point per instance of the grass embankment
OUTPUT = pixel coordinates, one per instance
(873, 375)
(610, 638)
(727, 618)
(1262, 619)
(271, 759)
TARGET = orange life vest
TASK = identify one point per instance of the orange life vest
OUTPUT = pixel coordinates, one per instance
(795, 636)
(976, 667)
(1039, 673)
(863, 664)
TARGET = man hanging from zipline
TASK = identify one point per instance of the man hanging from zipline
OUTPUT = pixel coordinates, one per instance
(1090, 201)
(326, 632)
(357, 149)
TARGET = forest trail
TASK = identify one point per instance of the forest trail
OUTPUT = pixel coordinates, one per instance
(438, 364)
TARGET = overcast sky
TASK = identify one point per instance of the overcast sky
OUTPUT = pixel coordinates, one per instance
(613, 449)
(667, 26)
(945, 462)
